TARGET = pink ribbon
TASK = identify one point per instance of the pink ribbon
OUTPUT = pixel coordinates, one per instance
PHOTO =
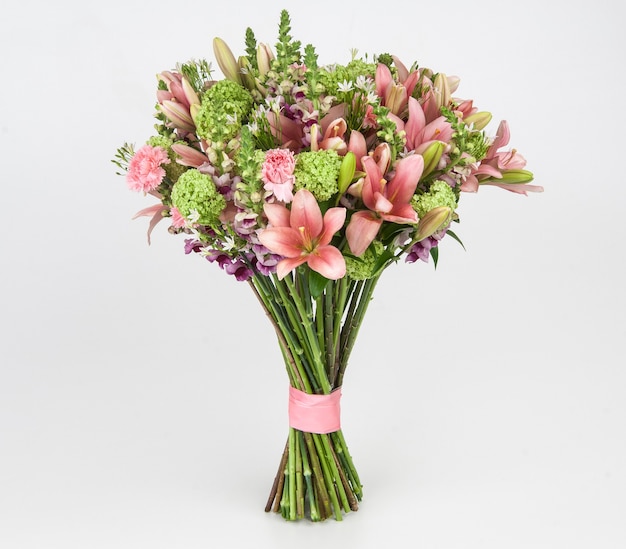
(314, 413)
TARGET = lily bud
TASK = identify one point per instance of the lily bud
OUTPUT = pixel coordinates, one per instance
(315, 130)
(346, 171)
(356, 189)
(515, 176)
(178, 115)
(435, 220)
(226, 60)
(382, 157)
(432, 155)
(193, 111)
(396, 98)
(244, 71)
(190, 93)
(442, 88)
(478, 120)
(264, 58)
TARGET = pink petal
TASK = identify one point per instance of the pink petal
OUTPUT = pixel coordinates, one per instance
(277, 215)
(362, 230)
(381, 203)
(283, 241)
(519, 188)
(408, 172)
(305, 212)
(358, 146)
(403, 72)
(415, 123)
(404, 213)
(328, 261)
(502, 135)
(470, 185)
(383, 79)
(372, 182)
(411, 82)
(156, 212)
(334, 219)
(284, 128)
(285, 266)
(336, 128)
(189, 156)
(338, 111)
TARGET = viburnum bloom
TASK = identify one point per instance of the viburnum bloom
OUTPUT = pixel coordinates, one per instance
(277, 173)
(302, 235)
(385, 200)
(144, 169)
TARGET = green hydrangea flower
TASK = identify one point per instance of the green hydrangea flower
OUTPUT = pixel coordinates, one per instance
(331, 79)
(317, 172)
(224, 108)
(196, 192)
(173, 170)
(439, 194)
(361, 268)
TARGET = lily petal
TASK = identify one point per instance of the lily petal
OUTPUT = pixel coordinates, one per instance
(283, 241)
(305, 212)
(328, 261)
(285, 266)
(362, 230)
(408, 172)
(334, 218)
(277, 215)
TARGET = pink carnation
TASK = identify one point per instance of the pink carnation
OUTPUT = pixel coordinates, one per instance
(277, 173)
(144, 169)
(178, 221)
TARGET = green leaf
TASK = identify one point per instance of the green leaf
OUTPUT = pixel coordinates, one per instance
(317, 283)
(434, 253)
(453, 235)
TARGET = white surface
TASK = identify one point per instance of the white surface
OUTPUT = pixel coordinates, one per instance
(485, 402)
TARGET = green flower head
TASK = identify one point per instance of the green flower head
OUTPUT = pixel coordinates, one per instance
(317, 172)
(195, 193)
(439, 194)
(362, 267)
(224, 108)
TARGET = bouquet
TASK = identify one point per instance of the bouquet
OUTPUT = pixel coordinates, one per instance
(307, 181)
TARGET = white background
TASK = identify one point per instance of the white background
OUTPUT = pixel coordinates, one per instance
(142, 395)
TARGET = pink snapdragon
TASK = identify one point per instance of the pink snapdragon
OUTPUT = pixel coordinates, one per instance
(144, 169)
(277, 173)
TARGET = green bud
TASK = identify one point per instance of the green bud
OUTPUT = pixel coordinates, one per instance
(515, 176)
(431, 156)
(226, 60)
(346, 171)
(478, 120)
(435, 220)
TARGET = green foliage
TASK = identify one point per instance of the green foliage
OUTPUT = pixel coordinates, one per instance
(287, 49)
(197, 72)
(251, 46)
(122, 157)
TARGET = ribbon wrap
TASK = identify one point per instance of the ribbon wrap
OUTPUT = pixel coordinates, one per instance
(314, 413)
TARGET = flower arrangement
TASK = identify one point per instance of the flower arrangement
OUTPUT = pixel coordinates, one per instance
(307, 181)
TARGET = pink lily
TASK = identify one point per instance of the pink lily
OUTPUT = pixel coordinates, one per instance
(419, 134)
(395, 95)
(493, 169)
(303, 236)
(386, 201)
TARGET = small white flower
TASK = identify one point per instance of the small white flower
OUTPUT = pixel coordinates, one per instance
(345, 86)
(193, 217)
